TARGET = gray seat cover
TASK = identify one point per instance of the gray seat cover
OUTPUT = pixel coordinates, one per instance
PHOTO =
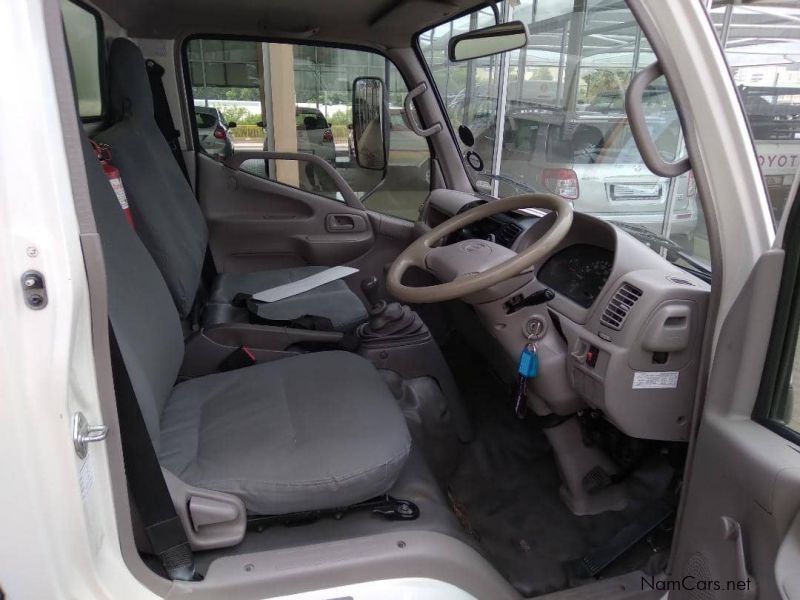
(167, 216)
(309, 432)
(170, 222)
(334, 300)
(145, 320)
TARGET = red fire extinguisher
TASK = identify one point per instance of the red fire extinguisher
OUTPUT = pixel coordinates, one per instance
(103, 152)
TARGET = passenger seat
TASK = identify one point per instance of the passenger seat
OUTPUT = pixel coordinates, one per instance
(310, 432)
(172, 226)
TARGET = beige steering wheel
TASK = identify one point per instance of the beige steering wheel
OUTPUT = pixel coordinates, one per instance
(417, 254)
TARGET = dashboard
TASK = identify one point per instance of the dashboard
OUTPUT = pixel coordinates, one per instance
(620, 332)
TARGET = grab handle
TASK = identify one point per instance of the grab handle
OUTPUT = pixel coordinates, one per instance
(638, 123)
(418, 91)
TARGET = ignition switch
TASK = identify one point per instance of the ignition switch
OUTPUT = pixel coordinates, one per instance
(534, 328)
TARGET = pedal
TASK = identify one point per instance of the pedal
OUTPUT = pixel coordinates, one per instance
(596, 479)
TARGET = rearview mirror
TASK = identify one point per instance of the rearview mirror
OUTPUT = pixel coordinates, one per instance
(370, 122)
(231, 125)
(488, 41)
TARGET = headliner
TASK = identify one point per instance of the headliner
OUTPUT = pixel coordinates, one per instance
(377, 23)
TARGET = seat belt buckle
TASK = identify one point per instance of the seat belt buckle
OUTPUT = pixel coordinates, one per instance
(238, 359)
(240, 300)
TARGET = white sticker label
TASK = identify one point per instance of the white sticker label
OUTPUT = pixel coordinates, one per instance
(86, 478)
(655, 380)
(116, 185)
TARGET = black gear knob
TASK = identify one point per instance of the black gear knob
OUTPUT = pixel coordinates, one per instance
(371, 290)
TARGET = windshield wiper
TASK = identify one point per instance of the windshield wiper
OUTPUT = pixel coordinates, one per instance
(674, 250)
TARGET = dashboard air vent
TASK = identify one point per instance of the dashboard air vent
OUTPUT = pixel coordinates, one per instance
(508, 234)
(619, 306)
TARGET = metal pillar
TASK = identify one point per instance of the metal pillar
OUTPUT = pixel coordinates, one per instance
(473, 24)
(574, 54)
(502, 94)
(279, 107)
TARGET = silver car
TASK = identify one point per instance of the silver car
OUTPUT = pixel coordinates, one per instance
(592, 160)
(214, 131)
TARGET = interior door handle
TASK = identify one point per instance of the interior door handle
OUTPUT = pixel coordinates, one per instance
(340, 223)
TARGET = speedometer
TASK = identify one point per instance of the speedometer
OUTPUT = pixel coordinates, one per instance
(578, 272)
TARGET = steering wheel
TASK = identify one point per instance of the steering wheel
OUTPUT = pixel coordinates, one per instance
(420, 252)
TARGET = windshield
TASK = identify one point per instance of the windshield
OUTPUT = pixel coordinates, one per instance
(551, 117)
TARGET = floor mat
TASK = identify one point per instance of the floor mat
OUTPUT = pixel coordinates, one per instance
(505, 492)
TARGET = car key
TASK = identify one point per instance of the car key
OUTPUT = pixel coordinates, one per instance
(528, 368)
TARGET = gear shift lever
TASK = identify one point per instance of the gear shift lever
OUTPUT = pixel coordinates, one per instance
(395, 337)
(371, 290)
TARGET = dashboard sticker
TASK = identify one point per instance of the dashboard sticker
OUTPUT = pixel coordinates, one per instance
(655, 380)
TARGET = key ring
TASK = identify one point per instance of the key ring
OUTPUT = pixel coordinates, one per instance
(532, 342)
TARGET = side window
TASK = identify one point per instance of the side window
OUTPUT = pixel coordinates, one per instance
(298, 98)
(762, 45)
(550, 117)
(778, 405)
(84, 32)
(786, 406)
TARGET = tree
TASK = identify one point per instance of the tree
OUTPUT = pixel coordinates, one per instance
(239, 115)
(605, 81)
(541, 74)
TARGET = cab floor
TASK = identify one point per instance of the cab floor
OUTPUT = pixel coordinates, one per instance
(505, 493)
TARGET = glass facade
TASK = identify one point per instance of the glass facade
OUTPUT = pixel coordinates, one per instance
(550, 117)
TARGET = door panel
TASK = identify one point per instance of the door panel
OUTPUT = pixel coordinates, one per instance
(257, 224)
(743, 485)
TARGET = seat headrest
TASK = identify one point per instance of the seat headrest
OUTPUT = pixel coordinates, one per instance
(128, 82)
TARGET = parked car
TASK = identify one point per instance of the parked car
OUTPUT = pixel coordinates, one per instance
(214, 131)
(314, 135)
(775, 123)
(614, 101)
(593, 161)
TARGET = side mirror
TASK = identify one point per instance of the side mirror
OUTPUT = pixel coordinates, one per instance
(488, 41)
(350, 126)
(370, 122)
(232, 124)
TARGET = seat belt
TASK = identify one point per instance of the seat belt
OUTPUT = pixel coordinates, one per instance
(146, 484)
(162, 114)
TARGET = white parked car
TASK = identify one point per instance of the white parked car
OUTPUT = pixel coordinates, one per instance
(314, 135)
(592, 161)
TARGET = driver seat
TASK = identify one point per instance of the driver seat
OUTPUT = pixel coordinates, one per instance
(309, 432)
